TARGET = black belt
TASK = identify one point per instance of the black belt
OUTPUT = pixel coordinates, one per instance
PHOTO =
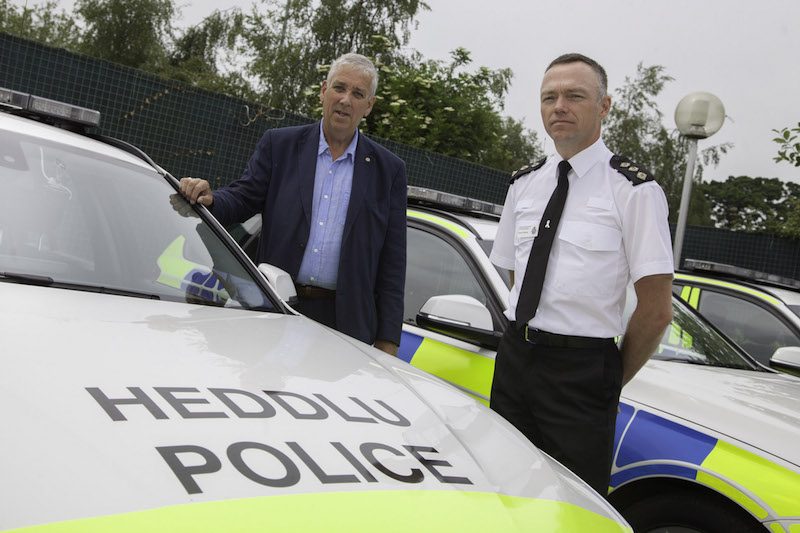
(545, 338)
(312, 292)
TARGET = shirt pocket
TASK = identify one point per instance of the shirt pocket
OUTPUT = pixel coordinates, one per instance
(526, 224)
(589, 259)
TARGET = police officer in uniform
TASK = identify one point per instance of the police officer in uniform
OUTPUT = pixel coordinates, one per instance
(576, 228)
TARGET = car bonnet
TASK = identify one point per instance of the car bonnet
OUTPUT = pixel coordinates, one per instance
(125, 414)
(759, 409)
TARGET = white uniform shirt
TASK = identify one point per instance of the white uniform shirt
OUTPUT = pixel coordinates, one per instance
(611, 231)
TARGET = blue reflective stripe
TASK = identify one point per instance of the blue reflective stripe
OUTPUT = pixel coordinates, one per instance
(652, 438)
(409, 344)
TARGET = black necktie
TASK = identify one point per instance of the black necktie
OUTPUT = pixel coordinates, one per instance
(531, 289)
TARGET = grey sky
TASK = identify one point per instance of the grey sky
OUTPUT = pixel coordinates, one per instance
(744, 52)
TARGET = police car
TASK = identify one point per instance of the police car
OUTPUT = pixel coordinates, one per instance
(706, 436)
(758, 311)
(153, 381)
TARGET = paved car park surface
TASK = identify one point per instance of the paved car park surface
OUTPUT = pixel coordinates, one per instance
(153, 381)
(706, 436)
(760, 312)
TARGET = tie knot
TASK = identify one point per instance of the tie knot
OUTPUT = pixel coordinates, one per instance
(563, 168)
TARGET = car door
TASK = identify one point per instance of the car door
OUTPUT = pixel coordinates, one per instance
(440, 264)
(747, 319)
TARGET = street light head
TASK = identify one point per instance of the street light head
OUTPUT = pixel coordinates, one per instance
(699, 115)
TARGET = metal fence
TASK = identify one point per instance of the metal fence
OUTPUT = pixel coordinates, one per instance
(198, 133)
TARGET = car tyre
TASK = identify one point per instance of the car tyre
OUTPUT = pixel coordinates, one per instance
(688, 512)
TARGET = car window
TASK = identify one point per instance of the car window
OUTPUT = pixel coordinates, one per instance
(81, 220)
(434, 267)
(752, 327)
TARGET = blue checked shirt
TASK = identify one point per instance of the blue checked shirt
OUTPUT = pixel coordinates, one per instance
(332, 184)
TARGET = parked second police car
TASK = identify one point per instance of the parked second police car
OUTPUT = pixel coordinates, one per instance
(707, 438)
(153, 382)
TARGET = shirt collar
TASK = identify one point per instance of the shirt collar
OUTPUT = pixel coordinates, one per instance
(323, 144)
(584, 160)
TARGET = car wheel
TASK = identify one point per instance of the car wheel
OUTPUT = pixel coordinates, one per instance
(688, 512)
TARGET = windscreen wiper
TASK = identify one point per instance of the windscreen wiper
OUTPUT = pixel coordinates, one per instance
(46, 281)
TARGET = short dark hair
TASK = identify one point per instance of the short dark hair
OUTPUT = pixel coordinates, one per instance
(580, 58)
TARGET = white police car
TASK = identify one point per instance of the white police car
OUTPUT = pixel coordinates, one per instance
(707, 438)
(758, 311)
(153, 382)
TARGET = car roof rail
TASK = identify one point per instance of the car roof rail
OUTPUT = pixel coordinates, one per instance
(741, 273)
(452, 202)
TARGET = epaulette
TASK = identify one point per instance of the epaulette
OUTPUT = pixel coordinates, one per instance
(633, 172)
(526, 169)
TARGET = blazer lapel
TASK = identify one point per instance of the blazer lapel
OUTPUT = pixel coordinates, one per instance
(363, 173)
(307, 168)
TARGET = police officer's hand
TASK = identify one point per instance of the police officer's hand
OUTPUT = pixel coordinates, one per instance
(197, 191)
(386, 346)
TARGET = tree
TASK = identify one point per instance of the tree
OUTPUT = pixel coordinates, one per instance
(758, 205)
(789, 150)
(447, 109)
(40, 23)
(634, 127)
(133, 33)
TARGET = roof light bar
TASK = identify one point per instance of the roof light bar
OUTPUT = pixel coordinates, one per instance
(13, 99)
(739, 272)
(44, 107)
(444, 199)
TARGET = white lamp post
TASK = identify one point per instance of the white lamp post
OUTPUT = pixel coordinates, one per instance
(698, 115)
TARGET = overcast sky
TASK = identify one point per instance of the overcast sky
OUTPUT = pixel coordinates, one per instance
(744, 52)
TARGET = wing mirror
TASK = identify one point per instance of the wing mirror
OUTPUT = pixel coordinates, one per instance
(280, 282)
(459, 316)
(787, 357)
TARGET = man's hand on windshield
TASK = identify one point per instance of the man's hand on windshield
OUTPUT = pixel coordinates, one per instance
(197, 191)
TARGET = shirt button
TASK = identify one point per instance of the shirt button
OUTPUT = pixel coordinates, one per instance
(326, 196)
(316, 250)
(321, 223)
(312, 278)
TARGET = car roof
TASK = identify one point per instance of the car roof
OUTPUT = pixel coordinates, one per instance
(41, 130)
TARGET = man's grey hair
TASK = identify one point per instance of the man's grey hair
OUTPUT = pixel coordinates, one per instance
(580, 58)
(357, 62)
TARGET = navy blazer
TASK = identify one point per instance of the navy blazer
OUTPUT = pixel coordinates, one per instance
(279, 184)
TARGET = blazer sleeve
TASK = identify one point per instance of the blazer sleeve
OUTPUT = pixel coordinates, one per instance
(390, 283)
(245, 197)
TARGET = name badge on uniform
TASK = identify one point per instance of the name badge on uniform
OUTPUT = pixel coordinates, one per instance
(526, 233)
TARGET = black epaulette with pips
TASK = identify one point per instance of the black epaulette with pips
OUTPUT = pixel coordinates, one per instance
(526, 169)
(633, 172)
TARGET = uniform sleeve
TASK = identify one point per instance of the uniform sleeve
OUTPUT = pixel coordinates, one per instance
(503, 253)
(645, 232)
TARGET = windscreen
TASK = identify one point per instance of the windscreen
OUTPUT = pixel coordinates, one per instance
(74, 218)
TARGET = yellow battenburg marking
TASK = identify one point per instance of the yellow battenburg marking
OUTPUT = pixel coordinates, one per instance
(777, 487)
(776, 528)
(347, 512)
(734, 286)
(173, 265)
(439, 221)
(466, 369)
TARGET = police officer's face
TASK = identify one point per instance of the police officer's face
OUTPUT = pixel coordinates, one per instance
(572, 107)
(345, 101)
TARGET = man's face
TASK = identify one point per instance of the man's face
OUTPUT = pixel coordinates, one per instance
(572, 108)
(345, 102)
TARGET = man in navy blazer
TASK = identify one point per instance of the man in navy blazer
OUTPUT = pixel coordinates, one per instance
(333, 208)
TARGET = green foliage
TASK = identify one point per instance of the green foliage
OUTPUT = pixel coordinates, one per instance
(634, 127)
(39, 23)
(758, 205)
(789, 150)
(447, 109)
(135, 33)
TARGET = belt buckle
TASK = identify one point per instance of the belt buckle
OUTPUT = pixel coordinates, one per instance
(527, 329)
